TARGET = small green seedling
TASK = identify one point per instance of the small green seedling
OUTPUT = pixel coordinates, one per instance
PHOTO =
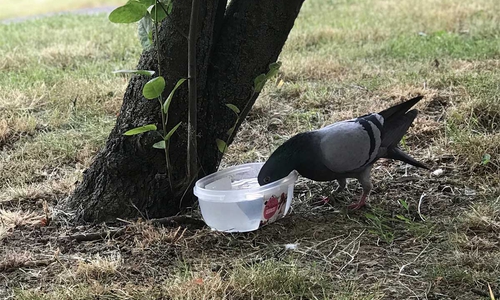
(380, 228)
(259, 83)
(486, 159)
(150, 13)
(405, 205)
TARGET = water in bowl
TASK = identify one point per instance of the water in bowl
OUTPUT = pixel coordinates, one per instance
(246, 214)
(242, 184)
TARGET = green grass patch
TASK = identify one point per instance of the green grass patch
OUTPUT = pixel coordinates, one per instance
(23, 8)
(59, 101)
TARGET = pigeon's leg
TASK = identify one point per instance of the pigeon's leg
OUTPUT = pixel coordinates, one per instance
(342, 184)
(366, 183)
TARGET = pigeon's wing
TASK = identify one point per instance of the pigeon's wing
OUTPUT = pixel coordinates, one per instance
(350, 145)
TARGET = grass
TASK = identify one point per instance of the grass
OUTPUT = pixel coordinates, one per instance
(24, 8)
(98, 267)
(423, 236)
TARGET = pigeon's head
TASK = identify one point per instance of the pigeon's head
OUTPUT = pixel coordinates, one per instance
(274, 169)
(283, 161)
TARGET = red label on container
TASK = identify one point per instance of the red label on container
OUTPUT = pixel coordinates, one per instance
(270, 208)
(274, 209)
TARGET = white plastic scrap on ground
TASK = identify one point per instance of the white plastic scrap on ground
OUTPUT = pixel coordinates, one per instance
(437, 172)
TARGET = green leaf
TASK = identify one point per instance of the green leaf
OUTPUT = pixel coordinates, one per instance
(144, 29)
(160, 15)
(160, 145)
(259, 82)
(233, 108)
(273, 69)
(153, 88)
(403, 203)
(138, 72)
(166, 105)
(403, 218)
(486, 159)
(150, 37)
(147, 3)
(171, 132)
(275, 65)
(372, 217)
(131, 12)
(230, 131)
(141, 129)
(221, 145)
(168, 4)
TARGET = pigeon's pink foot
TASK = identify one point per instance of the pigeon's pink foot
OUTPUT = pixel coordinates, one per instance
(322, 201)
(359, 204)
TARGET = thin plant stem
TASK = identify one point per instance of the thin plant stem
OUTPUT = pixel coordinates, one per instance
(163, 115)
(231, 135)
(192, 156)
(173, 23)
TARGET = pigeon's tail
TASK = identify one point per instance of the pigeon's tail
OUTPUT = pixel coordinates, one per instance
(398, 154)
(395, 128)
(397, 110)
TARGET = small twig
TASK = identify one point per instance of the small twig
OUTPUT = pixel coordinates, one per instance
(188, 187)
(136, 208)
(86, 237)
(56, 257)
(416, 258)
(492, 295)
(485, 294)
(125, 221)
(324, 241)
(418, 208)
(408, 288)
(173, 23)
(28, 264)
(352, 256)
(359, 235)
(406, 178)
(177, 220)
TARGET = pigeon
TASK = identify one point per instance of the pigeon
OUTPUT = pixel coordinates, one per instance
(345, 149)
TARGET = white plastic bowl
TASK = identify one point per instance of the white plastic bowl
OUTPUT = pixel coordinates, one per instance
(231, 200)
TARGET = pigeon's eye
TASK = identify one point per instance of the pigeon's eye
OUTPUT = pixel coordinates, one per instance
(267, 179)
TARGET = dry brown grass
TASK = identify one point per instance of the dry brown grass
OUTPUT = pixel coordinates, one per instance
(150, 235)
(4, 231)
(18, 218)
(14, 259)
(474, 130)
(58, 101)
(27, 8)
(98, 267)
(10, 219)
(484, 217)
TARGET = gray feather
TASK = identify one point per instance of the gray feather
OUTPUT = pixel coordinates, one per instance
(395, 111)
(398, 154)
(345, 146)
(395, 129)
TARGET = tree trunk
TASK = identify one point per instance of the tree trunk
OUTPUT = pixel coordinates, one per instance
(236, 43)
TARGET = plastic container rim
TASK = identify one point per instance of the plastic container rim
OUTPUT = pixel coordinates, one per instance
(201, 192)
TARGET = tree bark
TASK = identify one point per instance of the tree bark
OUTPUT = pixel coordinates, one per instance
(236, 43)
